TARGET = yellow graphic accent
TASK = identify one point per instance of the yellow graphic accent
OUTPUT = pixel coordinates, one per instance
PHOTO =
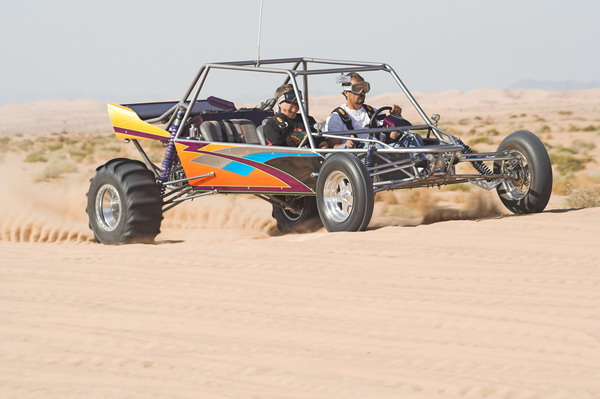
(279, 119)
(126, 119)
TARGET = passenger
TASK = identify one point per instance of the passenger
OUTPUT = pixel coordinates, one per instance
(354, 114)
(286, 127)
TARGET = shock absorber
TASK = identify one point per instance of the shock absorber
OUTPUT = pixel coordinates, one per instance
(478, 165)
(370, 158)
(170, 152)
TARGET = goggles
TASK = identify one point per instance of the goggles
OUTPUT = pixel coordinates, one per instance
(287, 97)
(358, 88)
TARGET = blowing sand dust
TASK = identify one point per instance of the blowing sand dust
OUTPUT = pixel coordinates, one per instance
(445, 296)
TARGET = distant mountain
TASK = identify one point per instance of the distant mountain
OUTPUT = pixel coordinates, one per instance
(562, 85)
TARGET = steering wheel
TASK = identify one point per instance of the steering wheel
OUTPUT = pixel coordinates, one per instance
(377, 116)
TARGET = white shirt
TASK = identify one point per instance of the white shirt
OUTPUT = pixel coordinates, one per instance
(359, 117)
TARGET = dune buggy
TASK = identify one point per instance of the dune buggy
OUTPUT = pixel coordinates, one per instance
(212, 147)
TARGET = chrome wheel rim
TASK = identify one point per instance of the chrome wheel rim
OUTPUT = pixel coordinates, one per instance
(518, 181)
(337, 196)
(108, 207)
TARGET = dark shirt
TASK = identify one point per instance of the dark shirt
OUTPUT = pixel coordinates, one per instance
(290, 135)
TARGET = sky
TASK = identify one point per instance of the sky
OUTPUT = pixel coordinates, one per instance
(133, 50)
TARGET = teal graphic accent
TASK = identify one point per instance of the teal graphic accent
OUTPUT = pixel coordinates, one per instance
(263, 157)
(239, 168)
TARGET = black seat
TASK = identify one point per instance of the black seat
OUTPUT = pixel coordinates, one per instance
(231, 131)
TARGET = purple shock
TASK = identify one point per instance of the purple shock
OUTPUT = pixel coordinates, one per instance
(170, 152)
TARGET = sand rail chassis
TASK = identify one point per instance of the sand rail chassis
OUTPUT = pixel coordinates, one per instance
(306, 185)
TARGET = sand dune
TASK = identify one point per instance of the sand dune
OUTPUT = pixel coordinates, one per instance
(445, 295)
(500, 308)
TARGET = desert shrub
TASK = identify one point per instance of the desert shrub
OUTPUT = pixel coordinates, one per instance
(35, 156)
(24, 145)
(4, 144)
(590, 128)
(478, 140)
(77, 154)
(565, 150)
(545, 129)
(492, 132)
(567, 164)
(583, 146)
(563, 185)
(567, 113)
(54, 146)
(55, 170)
(110, 150)
(67, 140)
(584, 197)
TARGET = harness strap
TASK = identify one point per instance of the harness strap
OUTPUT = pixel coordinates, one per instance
(281, 123)
(346, 118)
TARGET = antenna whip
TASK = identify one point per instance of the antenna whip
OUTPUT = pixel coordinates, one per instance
(259, 26)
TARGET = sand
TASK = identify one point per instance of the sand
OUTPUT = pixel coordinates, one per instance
(498, 306)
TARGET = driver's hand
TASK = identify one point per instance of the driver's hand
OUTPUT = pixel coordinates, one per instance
(396, 110)
(349, 144)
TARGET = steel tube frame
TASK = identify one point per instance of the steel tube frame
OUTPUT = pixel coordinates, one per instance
(251, 66)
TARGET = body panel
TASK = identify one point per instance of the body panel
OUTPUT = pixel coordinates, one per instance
(248, 168)
(128, 125)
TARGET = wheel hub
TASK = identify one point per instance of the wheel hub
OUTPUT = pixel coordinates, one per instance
(518, 182)
(338, 197)
(108, 207)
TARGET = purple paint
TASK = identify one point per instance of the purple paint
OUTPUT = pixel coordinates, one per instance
(140, 134)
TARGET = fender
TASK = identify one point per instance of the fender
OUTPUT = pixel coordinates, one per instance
(128, 125)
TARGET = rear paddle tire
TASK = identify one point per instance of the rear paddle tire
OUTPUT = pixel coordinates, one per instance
(344, 194)
(528, 183)
(124, 203)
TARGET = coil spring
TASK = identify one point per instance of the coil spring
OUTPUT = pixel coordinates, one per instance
(478, 165)
(370, 158)
(167, 162)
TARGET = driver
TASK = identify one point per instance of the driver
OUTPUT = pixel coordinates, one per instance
(354, 113)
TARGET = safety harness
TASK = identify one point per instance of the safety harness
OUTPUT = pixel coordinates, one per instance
(281, 124)
(346, 118)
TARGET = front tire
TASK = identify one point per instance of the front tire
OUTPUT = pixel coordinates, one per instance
(124, 203)
(528, 186)
(344, 193)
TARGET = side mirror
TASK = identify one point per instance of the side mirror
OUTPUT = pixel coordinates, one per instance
(435, 118)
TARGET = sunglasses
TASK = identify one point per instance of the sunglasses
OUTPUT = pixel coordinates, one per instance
(359, 88)
(288, 97)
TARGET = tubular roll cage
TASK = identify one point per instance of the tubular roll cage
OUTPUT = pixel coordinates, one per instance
(291, 77)
(449, 146)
